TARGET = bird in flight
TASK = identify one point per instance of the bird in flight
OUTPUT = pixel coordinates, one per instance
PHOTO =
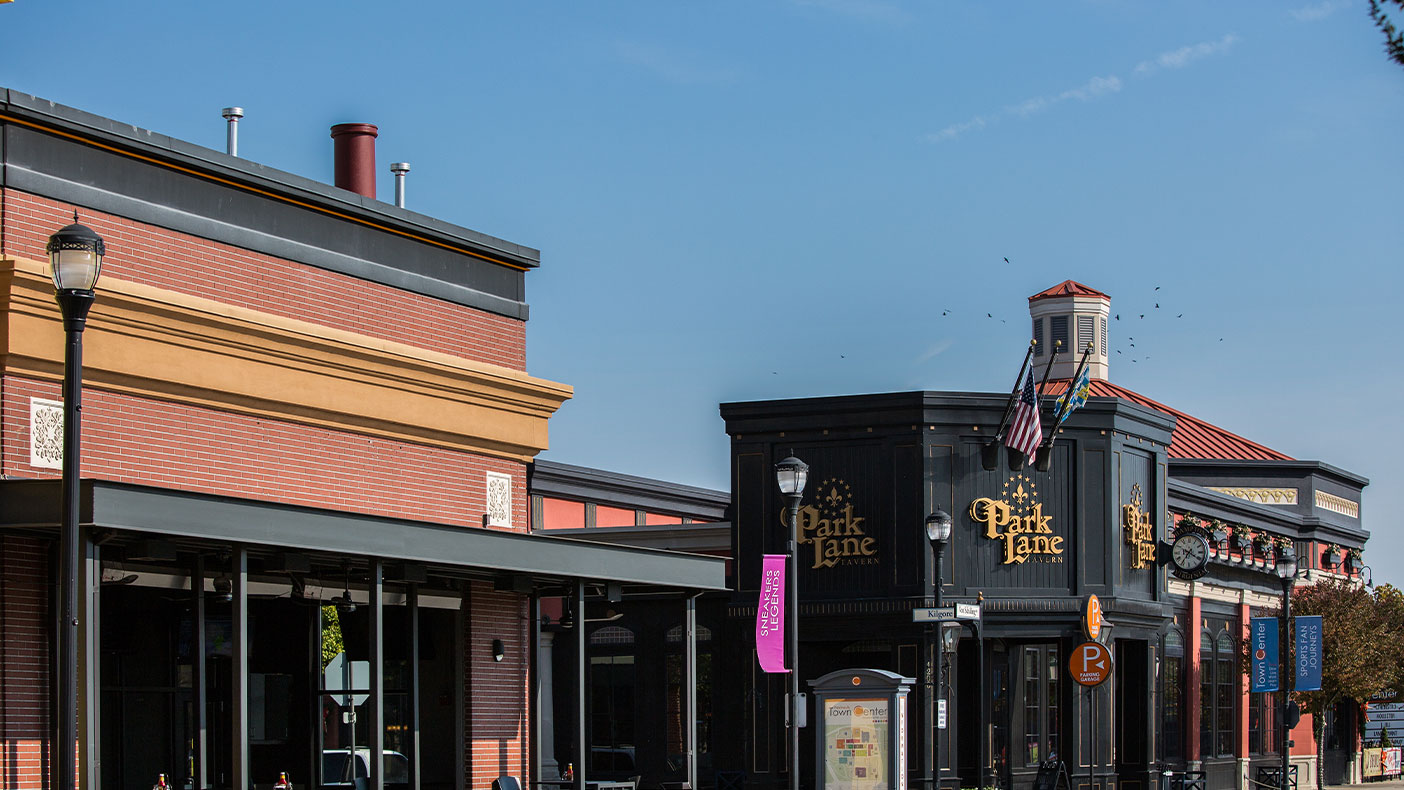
(1006, 260)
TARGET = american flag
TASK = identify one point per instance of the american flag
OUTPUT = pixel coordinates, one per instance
(1026, 434)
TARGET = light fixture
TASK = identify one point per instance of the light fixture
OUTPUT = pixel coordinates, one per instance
(951, 631)
(1287, 567)
(791, 474)
(499, 651)
(75, 257)
(344, 603)
(224, 588)
(938, 526)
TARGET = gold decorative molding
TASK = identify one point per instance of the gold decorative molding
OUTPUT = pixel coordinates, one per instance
(155, 343)
(1337, 504)
(1264, 496)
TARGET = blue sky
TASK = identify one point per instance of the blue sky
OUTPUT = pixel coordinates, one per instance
(783, 198)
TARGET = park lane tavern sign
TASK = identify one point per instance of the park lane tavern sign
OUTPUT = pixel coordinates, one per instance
(1016, 520)
(834, 534)
(1139, 530)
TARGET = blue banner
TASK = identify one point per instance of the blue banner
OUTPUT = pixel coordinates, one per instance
(1308, 653)
(1262, 632)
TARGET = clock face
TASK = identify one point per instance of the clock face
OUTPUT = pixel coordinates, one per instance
(1190, 552)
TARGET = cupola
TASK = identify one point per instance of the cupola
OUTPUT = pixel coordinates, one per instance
(1076, 315)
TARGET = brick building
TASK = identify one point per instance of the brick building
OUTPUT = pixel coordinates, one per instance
(306, 429)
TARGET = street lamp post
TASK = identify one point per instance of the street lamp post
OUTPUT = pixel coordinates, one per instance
(791, 475)
(1287, 573)
(938, 532)
(75, 260)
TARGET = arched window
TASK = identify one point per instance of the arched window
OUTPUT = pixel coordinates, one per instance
(1172, 695)
(612, 635)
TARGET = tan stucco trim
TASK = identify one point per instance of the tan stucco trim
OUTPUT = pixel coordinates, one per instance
(156, 343)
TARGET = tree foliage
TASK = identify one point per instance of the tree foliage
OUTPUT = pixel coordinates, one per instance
(1362, 644)
(1394, 39)
(332, 643)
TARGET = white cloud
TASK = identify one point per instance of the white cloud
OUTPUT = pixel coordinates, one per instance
(1318, 12)
(1093, 88)
(867, 10)
(934, 351)
(1179, 58)
(674, 65)
(956, 130)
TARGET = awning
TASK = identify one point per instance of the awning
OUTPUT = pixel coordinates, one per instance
(184, 515)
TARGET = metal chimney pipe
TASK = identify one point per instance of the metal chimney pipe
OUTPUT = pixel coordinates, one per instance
(399, 169)
(232, 115)
(355, 157)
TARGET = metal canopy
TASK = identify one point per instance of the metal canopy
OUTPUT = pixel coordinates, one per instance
(133, 508)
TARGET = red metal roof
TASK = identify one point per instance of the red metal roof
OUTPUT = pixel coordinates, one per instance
(1068, 288)
(1193, 437)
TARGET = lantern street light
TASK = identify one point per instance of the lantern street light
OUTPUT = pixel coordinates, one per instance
(1287, 573)
(791, 474)
(938, 532)
(75, 260)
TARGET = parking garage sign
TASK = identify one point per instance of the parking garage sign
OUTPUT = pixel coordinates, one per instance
(1090, 664)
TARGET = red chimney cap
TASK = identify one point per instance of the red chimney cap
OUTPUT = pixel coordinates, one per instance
(355, 128)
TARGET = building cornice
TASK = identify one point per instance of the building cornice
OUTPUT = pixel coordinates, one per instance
(154, 343)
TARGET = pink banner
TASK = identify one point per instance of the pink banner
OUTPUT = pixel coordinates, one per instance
(770, 614)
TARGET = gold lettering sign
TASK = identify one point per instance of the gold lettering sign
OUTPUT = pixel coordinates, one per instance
(834, 532)
(1017, 519)
(1139, 531)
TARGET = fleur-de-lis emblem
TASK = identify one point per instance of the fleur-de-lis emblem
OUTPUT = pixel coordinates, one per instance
(834, 497)
(1020, 494)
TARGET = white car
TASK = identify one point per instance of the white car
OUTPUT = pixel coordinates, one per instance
(337, 769)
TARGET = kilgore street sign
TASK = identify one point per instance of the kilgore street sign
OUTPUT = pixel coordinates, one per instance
(960, 611)
(1090, 664)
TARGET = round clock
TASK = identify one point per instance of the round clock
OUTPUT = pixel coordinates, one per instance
(1190, 554)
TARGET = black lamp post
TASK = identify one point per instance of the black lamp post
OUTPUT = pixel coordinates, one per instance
(791, 474)
(1287, 573)
(75, 260)
(938, 531)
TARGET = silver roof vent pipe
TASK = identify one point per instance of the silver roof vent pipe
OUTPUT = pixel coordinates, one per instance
(399, 169)
(232, 115)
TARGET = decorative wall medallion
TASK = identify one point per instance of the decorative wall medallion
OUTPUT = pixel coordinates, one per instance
(499, 499)
(1139, 531)
(1016, 519)
(833, 530)
(45, 433)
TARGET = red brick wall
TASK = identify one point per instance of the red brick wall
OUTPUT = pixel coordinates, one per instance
(496, 694)
(134, 440)
(24, 662)
(188, 264)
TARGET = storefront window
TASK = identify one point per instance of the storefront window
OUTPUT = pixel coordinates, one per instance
(1206, 695)
(1260, 723)
(612, 701)
(1172, 698)
(677, 687)
(1226, 693)
(1040, 685)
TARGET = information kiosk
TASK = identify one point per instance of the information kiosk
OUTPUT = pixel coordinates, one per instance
(862, 730)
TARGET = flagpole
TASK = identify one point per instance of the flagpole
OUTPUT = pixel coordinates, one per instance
(1014, 394)
(1048, 371)
(989, 454)
(1065, 411)
(1045, 450)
